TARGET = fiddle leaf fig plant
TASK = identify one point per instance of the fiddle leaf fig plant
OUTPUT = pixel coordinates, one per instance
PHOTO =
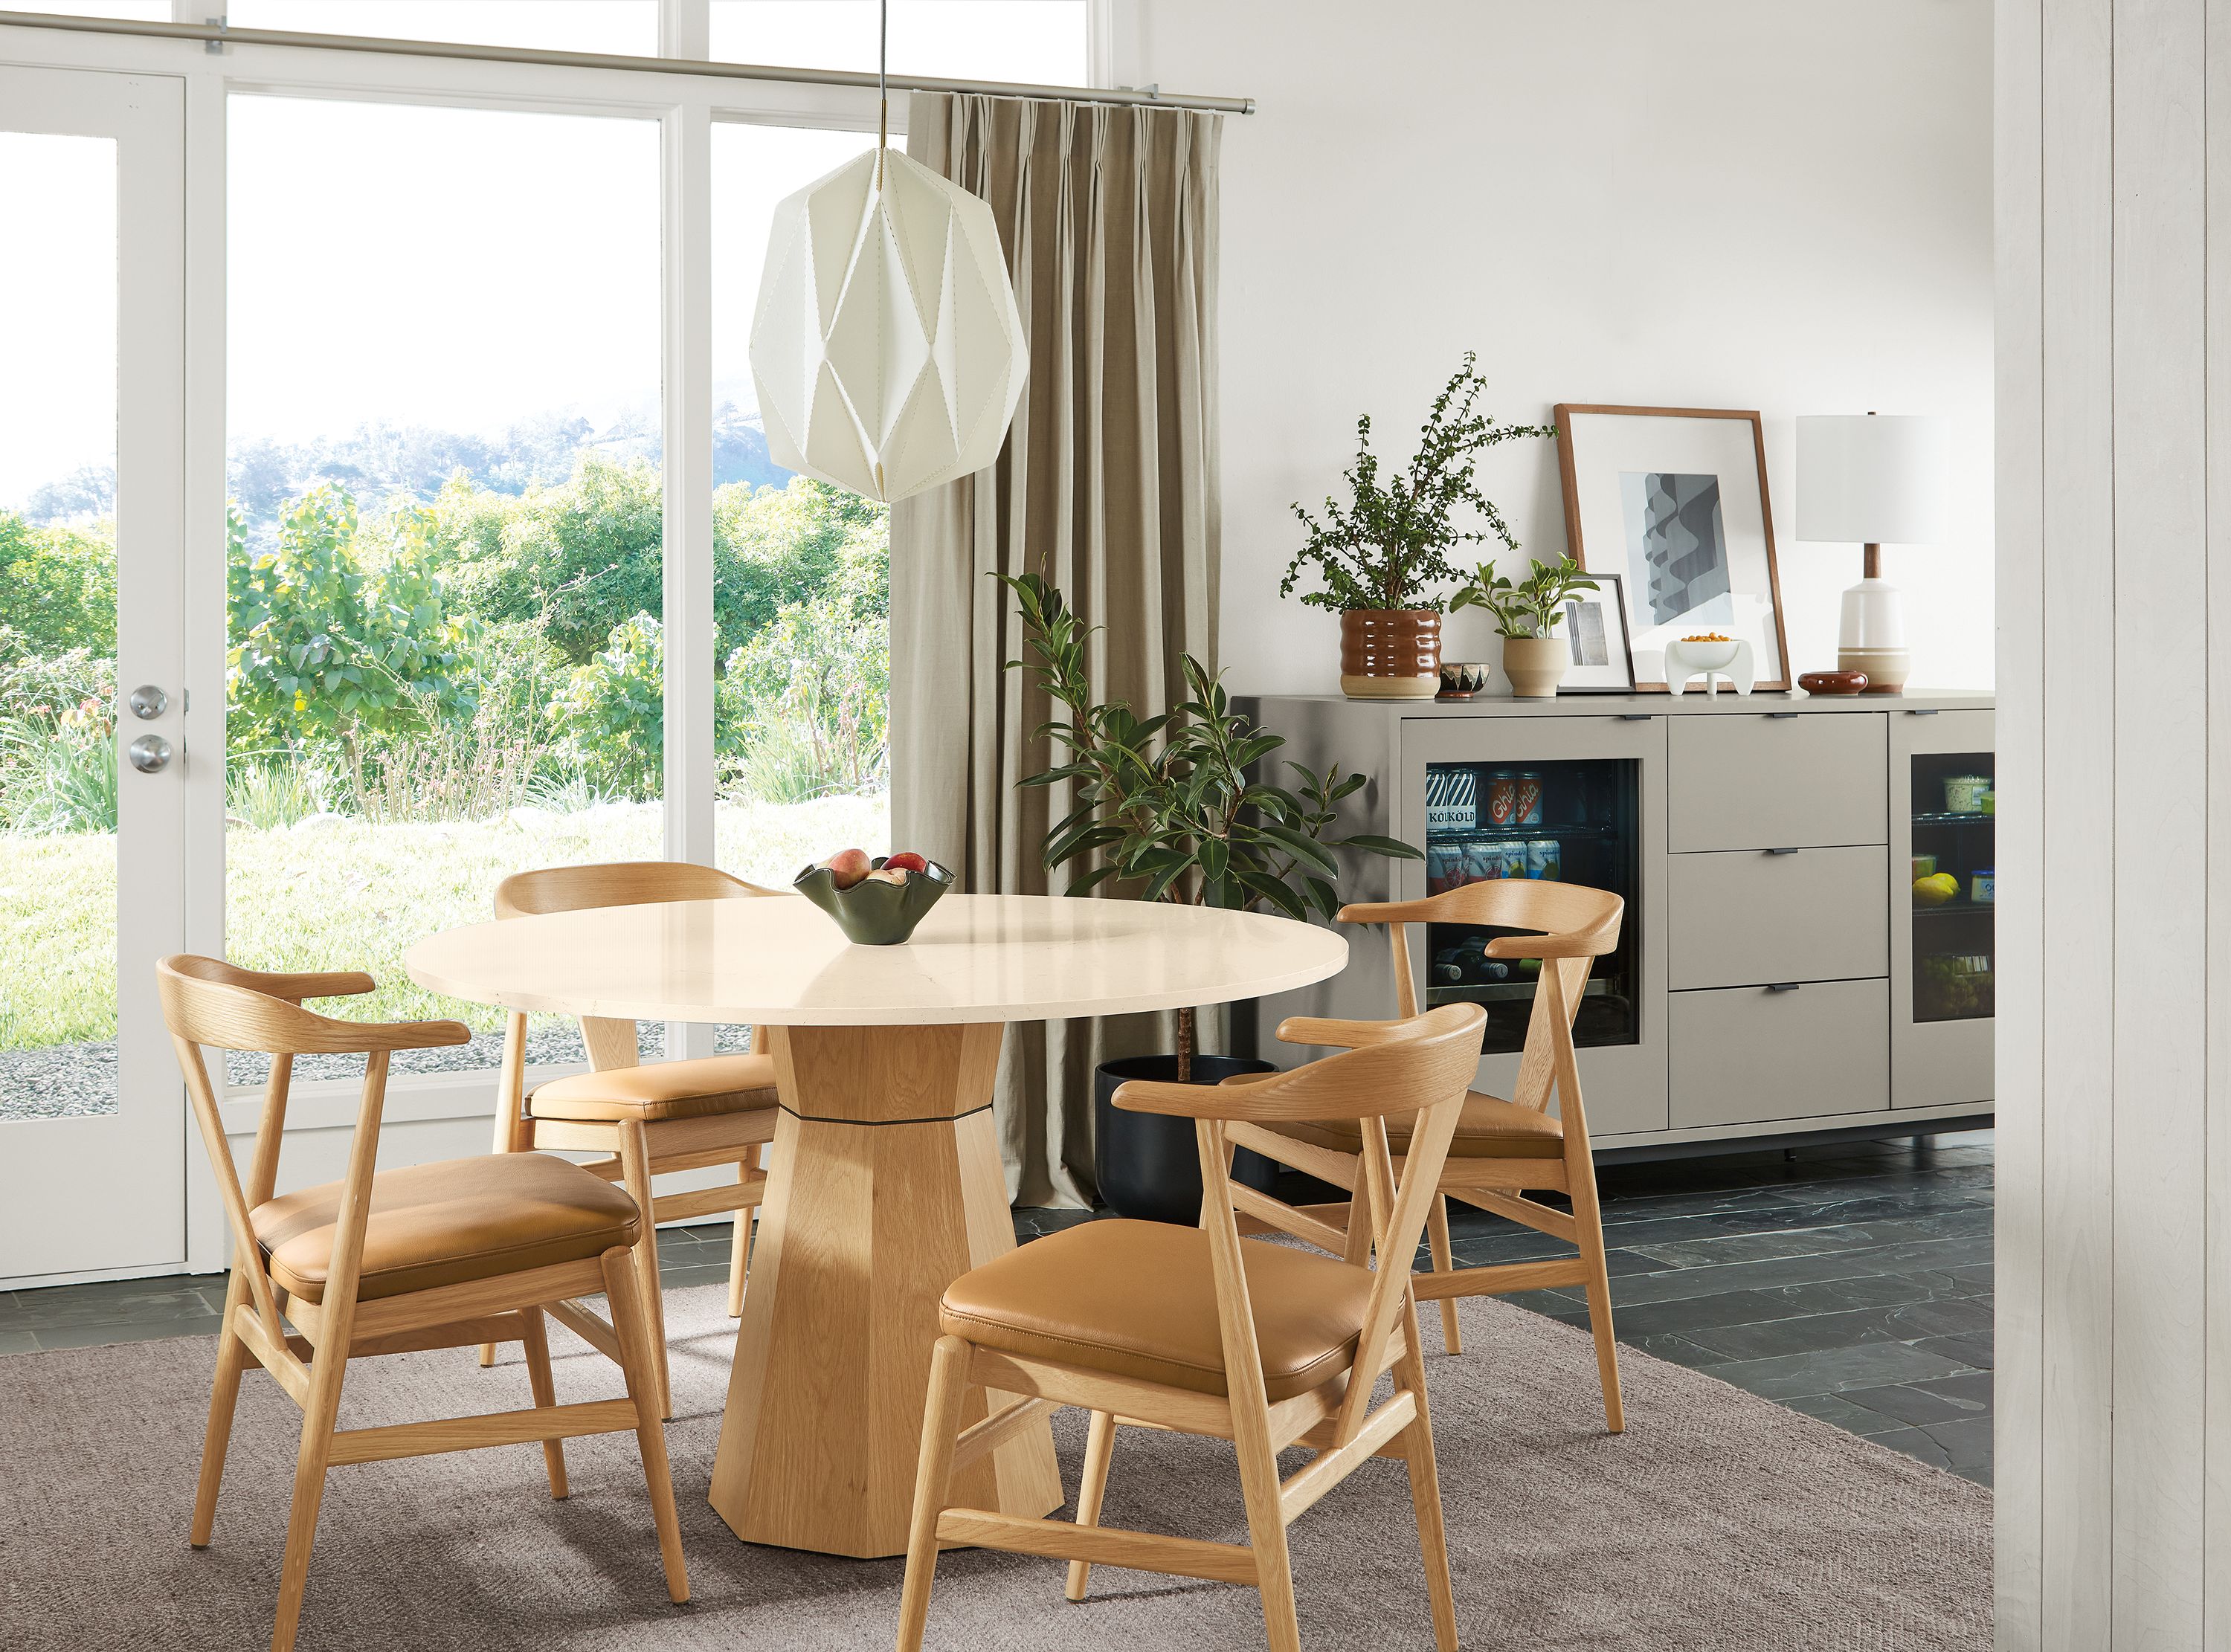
(1164, 804)
(1388, 546)
(1529, 608)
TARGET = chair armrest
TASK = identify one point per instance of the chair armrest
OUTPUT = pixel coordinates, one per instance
(1387, 912)
(329, 983)
(1342, 1035)
(1546, 947)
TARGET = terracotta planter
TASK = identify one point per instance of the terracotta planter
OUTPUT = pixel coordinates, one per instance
(1535, 665)
(1390, 653)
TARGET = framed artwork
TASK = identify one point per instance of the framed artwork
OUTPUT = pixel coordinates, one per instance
(1673, 499)
(1595, 628)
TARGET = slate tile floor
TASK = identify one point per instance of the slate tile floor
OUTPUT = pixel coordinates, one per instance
(1852, 1282)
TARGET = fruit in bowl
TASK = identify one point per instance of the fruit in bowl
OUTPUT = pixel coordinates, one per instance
(875, 902)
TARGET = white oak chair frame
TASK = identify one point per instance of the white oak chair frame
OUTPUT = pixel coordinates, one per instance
(1577, 924)
(1425, 1066)
(637, 1151)
(208, 1004)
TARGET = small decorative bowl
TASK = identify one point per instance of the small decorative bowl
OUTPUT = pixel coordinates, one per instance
(1833, 683)
(1462, 679)
(873, 912)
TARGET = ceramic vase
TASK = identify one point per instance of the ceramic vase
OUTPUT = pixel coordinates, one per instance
(1390, 653)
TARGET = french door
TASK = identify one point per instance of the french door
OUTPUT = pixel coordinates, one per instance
(93, 810)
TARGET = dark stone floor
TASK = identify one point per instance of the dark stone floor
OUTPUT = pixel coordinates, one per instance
(1852, 1282)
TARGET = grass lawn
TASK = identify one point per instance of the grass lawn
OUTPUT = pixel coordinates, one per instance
(345, 895)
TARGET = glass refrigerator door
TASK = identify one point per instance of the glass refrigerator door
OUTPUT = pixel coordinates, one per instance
(1954, 829)
(1573, 821)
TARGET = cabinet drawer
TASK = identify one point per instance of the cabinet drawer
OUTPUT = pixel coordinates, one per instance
(1746, 1054)
(1745, 917)
(1749, 780)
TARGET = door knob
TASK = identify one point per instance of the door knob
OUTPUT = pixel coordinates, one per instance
(147, 701)
(149, 752)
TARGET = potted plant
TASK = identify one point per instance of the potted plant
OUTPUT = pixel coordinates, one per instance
(1535, 657)
(1381, 558)
(1163, 808)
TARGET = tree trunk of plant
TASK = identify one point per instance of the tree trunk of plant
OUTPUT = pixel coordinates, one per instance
(1185, 1046)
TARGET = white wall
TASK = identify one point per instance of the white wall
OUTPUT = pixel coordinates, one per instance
(1743, 203)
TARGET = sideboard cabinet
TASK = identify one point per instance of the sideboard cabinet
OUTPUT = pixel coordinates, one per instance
(1808, 937)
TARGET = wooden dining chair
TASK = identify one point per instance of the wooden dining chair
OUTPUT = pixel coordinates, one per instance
(1502, 1150)
(649, 1118)
(1196, 1330)
(439, 1255)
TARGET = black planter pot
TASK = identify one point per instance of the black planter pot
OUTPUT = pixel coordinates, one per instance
(1148, 1165)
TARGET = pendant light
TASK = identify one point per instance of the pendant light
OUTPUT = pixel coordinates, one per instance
(887, 349)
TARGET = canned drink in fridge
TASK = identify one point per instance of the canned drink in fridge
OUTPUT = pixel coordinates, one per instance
(1480, 864)
(1511, 858)
(1544, 859)
(1527, 804)
(1443, 868)
(1501, 798)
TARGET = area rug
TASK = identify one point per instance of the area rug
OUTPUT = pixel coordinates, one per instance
(1717, 1521)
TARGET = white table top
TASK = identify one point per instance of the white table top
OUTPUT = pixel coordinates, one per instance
(784, 962)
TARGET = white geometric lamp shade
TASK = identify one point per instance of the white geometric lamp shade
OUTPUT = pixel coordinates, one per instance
(887, 347)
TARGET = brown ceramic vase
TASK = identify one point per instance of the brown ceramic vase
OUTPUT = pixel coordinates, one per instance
(1390, 653)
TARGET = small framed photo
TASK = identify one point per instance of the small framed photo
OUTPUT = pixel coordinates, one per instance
(1595, 626)
(1674, 499)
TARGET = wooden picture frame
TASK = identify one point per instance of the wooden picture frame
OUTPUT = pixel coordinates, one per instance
(1608, 498)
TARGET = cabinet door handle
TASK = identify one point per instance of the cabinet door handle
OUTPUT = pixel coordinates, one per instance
(1777, 716)
(1783, 986)
(1634, 717)
(1781, 851)
(1913, 711)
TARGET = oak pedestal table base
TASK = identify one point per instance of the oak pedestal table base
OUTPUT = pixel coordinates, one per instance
(884, 1186)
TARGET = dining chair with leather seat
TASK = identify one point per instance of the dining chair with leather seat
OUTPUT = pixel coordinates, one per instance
(1196, 1330)
(649, 1118)
(435, 1256)
(1502, 1150)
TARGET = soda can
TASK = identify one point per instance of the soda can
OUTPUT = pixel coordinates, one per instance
(1511, 858)
(1544, 859)
(1502, 798)
(1480, 864)
(1440, 869)
(1526, 806)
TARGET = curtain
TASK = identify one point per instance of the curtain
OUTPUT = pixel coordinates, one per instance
(1108, 487)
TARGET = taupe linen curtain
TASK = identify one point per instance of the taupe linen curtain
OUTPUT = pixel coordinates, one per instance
(1109, 486)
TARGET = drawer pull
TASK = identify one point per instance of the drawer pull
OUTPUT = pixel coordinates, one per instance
(1634, 717)
(1781, 851)
(1783, 986)
(1777, 716)
(1916, 711)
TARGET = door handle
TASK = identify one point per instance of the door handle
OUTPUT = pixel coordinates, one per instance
(149, 752)
(1634, 717)
(1783, 986)
(148, 702)
(1777, 716)
(1913, 711)
(1781, 851)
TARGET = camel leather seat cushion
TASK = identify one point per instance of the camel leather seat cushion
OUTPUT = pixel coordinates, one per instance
(660, 1090)
(449, 1222)
(1138, 1300)
(1489, 1129)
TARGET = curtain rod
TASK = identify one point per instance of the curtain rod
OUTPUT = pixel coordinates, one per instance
(220, 33)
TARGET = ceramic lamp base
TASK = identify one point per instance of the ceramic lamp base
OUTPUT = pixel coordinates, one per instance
(1886, 668)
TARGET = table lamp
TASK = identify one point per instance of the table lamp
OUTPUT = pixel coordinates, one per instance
(1879, 480)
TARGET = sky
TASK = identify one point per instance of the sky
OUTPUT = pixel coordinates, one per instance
(466, 269)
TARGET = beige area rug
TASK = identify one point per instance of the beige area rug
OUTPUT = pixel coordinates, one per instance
(1717, 1521)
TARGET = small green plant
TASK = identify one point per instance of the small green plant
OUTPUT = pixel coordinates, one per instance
(1164, 803)
(1388, 547)
(1529, 608)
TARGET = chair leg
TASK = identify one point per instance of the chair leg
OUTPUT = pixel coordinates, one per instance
(640, 1370)
(510, 1085)
(1588, 1216)
(1099, 1447)
(537, 1342)
(739, 1247)
(1266, 1530)
(1426, 1499)
(323, 1407)
(635, 1174)
(941, 1428)
(1436, 1232)
(224, 1392)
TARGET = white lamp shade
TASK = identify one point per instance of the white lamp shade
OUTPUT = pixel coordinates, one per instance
(1871, 479)
(887, 348)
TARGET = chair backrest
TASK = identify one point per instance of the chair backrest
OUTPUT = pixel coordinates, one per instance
(1575, 925)
(1421, 1066)
(208, 1004)
(615, 883)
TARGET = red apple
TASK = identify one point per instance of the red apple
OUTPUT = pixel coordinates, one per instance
(906, 861)
(847, 867)
(889, 874)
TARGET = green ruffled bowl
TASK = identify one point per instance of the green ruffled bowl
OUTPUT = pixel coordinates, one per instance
(872, 913)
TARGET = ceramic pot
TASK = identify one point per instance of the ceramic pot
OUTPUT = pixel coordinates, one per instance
(1535, 665)
(1390, 653)
(1148, 1163)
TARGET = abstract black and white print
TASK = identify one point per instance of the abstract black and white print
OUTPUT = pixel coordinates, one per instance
(1676, 544)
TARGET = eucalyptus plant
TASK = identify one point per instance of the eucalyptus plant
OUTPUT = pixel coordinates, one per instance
(1529, 609)
(1389, 544)
(1164, 804)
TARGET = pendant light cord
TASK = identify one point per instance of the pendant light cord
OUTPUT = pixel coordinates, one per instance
(883, 89)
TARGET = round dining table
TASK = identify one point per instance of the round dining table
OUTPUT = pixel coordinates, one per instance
(884, 1181)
